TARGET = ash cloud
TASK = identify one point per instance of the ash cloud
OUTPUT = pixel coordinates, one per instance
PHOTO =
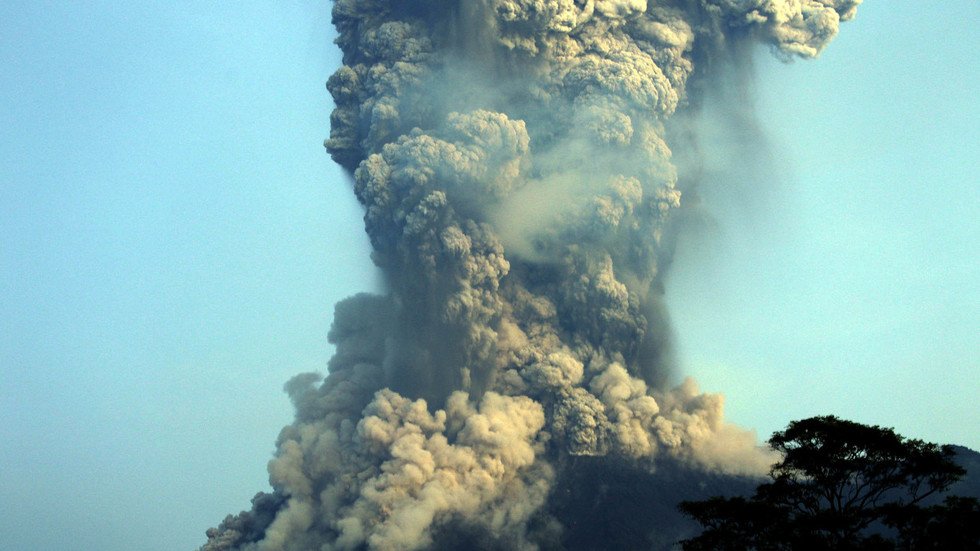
(519, 185)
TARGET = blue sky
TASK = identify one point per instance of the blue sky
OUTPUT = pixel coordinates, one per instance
(850, 284)
(173, 239)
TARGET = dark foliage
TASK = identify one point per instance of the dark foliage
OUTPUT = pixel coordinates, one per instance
(844, 485)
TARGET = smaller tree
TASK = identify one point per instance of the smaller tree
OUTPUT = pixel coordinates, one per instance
(840, 485)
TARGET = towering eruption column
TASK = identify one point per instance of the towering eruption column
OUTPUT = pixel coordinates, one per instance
(512, 160)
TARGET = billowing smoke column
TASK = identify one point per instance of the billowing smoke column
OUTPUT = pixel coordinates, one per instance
(513, 160)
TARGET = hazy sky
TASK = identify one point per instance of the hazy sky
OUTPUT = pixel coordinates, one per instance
(173, 238)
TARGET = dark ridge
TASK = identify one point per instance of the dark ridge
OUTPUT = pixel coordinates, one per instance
(609, 503)
(969, 485)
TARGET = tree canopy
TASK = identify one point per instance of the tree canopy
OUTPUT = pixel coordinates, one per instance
(844, 485)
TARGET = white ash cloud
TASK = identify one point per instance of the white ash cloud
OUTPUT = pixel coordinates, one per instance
(517, 180)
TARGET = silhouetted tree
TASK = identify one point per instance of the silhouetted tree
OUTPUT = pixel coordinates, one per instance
(954, 524)
(843, 485)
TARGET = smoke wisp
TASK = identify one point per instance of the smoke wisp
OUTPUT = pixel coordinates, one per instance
(514, 159)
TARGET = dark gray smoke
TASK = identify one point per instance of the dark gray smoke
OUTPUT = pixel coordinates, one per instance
(514, 161)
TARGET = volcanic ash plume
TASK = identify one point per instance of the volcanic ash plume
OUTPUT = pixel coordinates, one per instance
(513, 161)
